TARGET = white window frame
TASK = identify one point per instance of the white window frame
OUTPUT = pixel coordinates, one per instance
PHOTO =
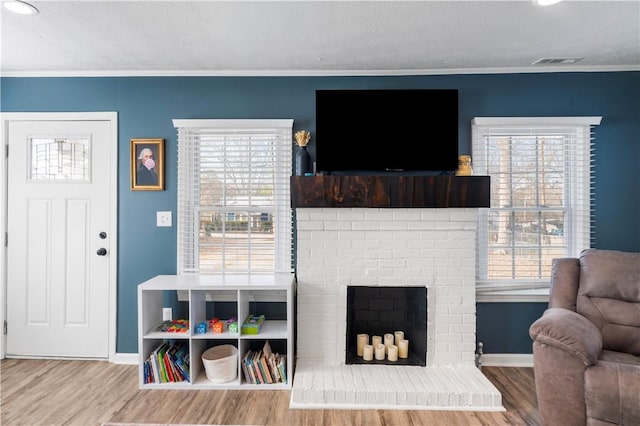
(577, 199)
(190, 134)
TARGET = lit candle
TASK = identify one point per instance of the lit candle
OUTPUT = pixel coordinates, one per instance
(388, 340)
(367, 352)
(403, 349)
(376, 340)
(380, 352)
(363, 339)
(399, 336)
(393, 353)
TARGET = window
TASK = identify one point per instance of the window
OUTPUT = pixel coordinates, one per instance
(60, 159)
(234, 208)
(540, 171)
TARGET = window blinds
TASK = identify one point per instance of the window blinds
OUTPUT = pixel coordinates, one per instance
(541, 195)
(234, 209)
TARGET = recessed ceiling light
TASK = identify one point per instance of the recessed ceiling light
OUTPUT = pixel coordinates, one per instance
(548, 2)
(20, 7)
(561, 61)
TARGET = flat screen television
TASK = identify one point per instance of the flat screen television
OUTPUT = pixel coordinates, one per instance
(387, 130)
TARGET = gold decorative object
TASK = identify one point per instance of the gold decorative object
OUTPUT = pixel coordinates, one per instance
(302, 137)
(464, 166)
(303, 159)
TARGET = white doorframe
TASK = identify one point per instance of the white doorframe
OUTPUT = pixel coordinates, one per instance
(112, 117)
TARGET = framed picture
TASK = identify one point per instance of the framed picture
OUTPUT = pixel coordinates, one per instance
(147, 164)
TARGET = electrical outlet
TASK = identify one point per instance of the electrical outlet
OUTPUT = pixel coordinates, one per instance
(167, 314)
(163, 219)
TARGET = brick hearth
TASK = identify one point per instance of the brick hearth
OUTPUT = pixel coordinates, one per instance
(434, 248)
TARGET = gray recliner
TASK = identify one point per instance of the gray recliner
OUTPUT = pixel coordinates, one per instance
(586, 345)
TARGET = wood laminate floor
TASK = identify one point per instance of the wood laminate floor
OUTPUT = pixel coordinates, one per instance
(58, 392)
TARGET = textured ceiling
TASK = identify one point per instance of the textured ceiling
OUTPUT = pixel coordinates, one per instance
(317, 38)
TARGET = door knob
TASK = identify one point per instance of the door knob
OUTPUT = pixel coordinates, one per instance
(101, 251)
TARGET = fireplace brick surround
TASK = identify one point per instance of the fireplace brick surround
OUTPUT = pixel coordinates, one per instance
(412, 247)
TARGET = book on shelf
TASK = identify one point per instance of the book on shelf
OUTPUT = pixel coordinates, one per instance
(266, 349)
(282, 367)
(180, 358)
(269, 356)
(167, 363)
(274, 368)
(266, 374)
(148, 374)
(245, 370)
(168, 370)
(264, 366)
(160, 360)
(255, 359)
(153, 364)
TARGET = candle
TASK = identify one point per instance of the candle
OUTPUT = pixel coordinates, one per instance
(403, 349)
(380, 352)
(363, 339)
(388, 340)
(393, 353)
(367, 352)
(399, 335)
(376, 340)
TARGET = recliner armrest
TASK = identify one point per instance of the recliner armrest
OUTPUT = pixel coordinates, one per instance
(569, 332)
(565, 280)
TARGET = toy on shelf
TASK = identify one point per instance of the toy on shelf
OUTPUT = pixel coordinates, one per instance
(173, 326)
(201, 328)
(213, 321)
(232, 325)
(252, 324)
(218, 327)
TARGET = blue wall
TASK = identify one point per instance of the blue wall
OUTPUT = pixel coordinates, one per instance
(146, 107)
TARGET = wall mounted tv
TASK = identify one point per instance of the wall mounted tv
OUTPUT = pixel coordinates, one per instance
(404, 130)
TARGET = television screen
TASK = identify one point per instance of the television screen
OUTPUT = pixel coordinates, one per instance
(384, 130)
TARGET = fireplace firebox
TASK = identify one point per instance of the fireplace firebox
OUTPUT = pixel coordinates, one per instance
(377, 311)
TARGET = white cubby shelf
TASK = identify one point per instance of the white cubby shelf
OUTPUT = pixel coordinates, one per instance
(198, 298)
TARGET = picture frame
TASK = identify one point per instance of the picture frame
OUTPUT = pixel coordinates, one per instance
(147, 164)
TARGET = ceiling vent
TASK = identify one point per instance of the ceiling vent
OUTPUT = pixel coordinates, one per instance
(561, 61)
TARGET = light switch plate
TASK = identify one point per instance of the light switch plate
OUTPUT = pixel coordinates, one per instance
(163, 219)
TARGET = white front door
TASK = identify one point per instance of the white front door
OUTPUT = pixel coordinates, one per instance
(60, 238)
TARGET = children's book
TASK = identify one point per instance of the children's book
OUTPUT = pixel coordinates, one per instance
(282, 367)
(255, 360)
(247, 376)
(247, 362)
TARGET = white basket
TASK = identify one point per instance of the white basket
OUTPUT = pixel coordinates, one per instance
(221, 363)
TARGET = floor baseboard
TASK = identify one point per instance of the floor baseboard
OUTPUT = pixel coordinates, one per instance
(125, 358)
(507, 360)
(490, 360)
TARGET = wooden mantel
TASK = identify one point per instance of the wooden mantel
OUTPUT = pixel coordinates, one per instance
(390, 191)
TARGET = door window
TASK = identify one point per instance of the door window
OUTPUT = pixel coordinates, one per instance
(60, 159)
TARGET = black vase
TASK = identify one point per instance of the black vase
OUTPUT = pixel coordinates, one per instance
(303, 161)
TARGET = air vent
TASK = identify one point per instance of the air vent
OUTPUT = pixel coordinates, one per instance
(552, 61)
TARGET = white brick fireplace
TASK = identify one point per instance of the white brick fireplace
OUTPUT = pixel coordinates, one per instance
(388, 247)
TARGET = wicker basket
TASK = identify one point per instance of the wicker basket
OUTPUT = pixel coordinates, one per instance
(221, 363)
